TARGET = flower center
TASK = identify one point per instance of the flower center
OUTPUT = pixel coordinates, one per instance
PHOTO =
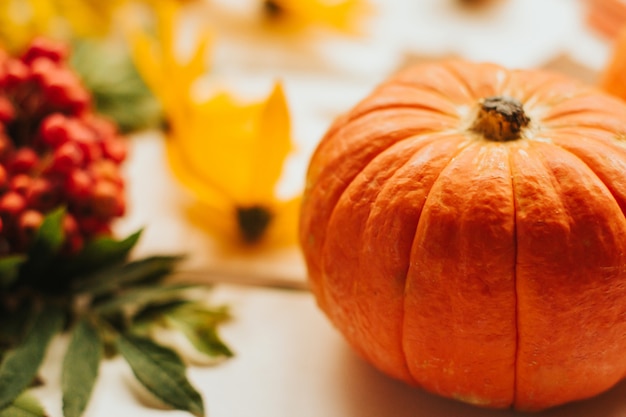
(253, 222)
(272, 9)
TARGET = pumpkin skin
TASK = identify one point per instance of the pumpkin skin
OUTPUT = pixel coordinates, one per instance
(486, 269)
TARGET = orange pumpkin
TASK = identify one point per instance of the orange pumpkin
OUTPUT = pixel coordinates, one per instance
(464, 228)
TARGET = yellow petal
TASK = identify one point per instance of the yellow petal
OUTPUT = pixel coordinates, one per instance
(87, 17)
(272, 144)
(202, 187)
(340, 15)
(218, 143)
(159, 64)
(283, 230)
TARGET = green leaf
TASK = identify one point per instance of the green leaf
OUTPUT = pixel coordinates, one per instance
(162, 372)
(145, 270)
(200, 328)
(24, 406)
(45, 247)
(14, 323)
(20, 364)
(117, 88)
(102, 251)
(141, 296)
(10, 268)
(80, 368)
(49, 237)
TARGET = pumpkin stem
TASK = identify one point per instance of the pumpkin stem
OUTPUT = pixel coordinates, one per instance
(500, 118)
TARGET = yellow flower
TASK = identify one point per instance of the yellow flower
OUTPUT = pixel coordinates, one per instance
(230, 155)
(341, 15)
(158, 63)
(22, 20)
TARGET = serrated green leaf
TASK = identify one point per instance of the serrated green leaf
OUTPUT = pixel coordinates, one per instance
(80, 368)
(204, 338)
(144, 320)
(24, 406)
(144, 270)
(10, 269)
(162, 372)
(20, 365)
(200, 327)
(140, 297)
(101, 252)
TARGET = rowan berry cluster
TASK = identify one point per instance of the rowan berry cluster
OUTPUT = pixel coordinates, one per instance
(55, 151)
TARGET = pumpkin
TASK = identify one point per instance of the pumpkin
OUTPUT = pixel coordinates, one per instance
(611, 77)
(463, 227)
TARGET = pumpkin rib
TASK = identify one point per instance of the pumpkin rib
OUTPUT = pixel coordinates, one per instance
(340, 167)
(515, 286)
(584, 104)
(535, 87)
(586, 229)
(398, 94)
(413, 239)
(435, 77)
(421, 140)
(488, 72)
(608, 170)
(390, 228)
(452, 308)
(349, 218)
(425, 88)
(359, 114)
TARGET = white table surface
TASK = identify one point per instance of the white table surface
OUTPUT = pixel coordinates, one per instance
(289, 361)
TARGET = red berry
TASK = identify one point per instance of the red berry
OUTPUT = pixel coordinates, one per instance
(12, 203)
(106, 170)
(91, 226)
(54, 130)
(15, 73)
(67, 157)
(86, 140)
(28, 224)
(24, 160)
(114, 149)
(65, 91)
(103, 127)
(44, 47)
(20, 183)
(43, 70)
(30, 220)
(70, 225)
(7, 111)
(43, 194)
(78, 185)
(105, 199)
(4, 178)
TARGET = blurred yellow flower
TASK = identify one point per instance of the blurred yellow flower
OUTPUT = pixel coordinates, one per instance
(22, 20)
(230, 155)
(157, 60)
(340, 15)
